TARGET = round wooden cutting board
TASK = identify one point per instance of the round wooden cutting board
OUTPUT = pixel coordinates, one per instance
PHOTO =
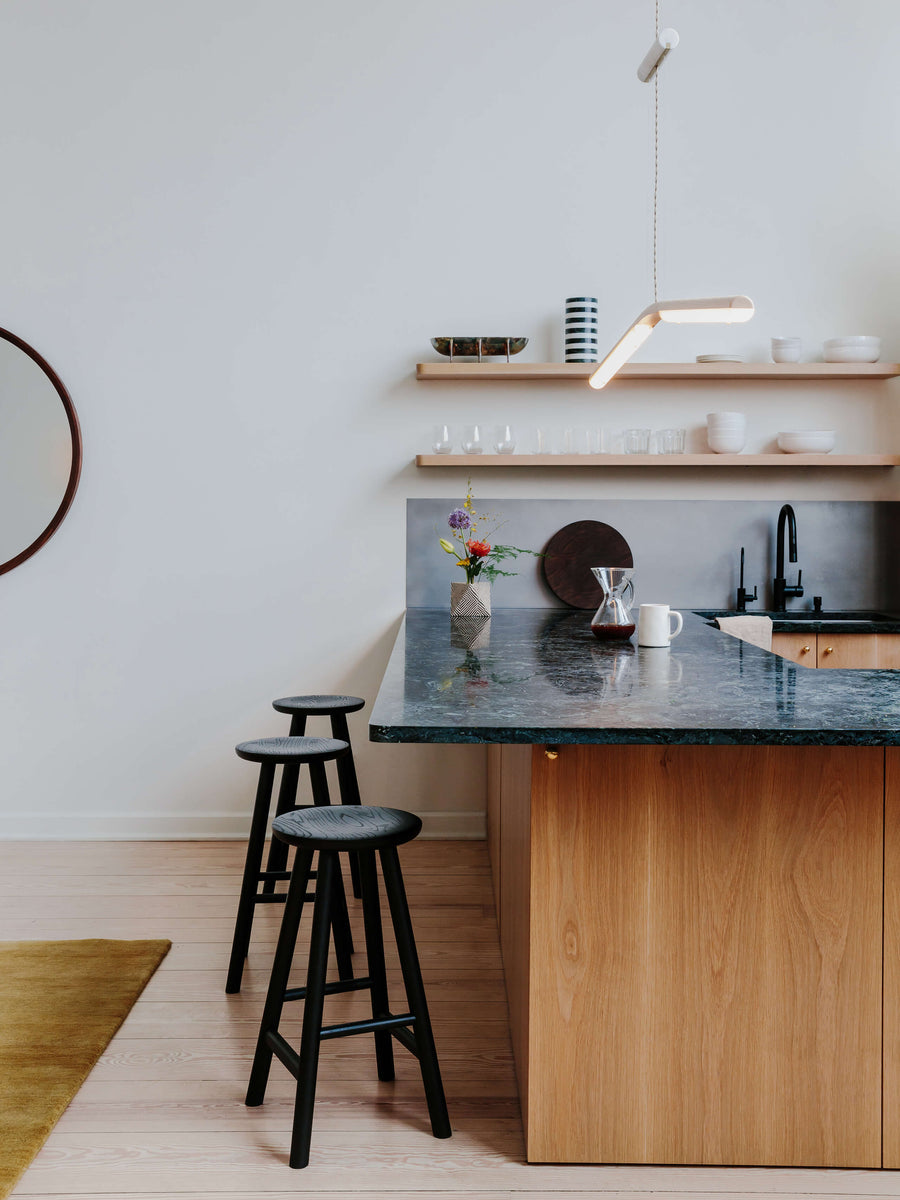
(570, 554)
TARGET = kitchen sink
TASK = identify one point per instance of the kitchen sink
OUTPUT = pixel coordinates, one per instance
(841, 617)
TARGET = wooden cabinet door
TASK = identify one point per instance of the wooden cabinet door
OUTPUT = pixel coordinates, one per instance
(847, 650)
(705, 974)
(888, 651)
(798, 647)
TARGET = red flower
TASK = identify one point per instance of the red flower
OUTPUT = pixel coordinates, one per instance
(478, 549)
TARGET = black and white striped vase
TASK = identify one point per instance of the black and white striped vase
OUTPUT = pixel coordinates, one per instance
(581, 329)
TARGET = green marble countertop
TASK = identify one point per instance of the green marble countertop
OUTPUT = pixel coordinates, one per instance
(537, 676)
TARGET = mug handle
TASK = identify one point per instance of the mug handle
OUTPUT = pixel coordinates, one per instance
(678, 617)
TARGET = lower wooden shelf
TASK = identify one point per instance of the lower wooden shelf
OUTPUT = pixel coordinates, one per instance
(786, 461)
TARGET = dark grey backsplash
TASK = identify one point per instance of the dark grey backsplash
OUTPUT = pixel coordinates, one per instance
(686, 552)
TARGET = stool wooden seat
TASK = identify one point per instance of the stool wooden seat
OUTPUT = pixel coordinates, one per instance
(318, 706)
(299, 708)
(364, 831)
(291, 753)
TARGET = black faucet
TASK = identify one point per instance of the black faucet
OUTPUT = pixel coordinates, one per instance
(742, 594)
(781, 589)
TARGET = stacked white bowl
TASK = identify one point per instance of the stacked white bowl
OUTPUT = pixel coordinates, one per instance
(726, 432)
(860, 347)
(786, 349)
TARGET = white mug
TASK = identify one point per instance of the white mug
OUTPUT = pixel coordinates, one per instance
(654, 627)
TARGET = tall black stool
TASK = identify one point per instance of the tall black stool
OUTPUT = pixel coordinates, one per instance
(331, 831)
(290, 753)
(299, 708)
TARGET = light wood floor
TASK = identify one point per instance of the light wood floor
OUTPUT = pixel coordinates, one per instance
(162, 1114)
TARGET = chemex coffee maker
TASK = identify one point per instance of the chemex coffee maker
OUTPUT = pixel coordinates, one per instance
(613, 620)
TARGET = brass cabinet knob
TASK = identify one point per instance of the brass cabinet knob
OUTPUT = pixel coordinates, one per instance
(806, 650)
(551, 752)
(829, 649)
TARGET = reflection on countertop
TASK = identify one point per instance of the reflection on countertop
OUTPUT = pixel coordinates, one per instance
(539, 675)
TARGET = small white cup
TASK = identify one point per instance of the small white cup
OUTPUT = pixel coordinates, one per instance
(654, 624)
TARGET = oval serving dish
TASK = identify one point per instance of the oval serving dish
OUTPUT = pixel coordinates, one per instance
(475, 347)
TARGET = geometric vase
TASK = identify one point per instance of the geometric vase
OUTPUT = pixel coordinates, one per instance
(470, 599)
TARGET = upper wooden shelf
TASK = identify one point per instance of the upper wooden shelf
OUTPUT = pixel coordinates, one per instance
(788, 461)
(580, 372)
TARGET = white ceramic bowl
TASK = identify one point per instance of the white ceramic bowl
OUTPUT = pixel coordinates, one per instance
(726, 443)
(729, 417)
(806, 441)
(861, 348)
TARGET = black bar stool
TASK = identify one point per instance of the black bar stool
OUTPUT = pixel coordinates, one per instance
(290, 753)
(331, 831)
(299, 708)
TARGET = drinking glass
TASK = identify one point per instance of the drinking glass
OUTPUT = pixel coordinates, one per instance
(607, 441)
(472, 443)
(637, 441)
(442, 440)
(670, 441)
(547, 440)
(504, 439)
(577, 441)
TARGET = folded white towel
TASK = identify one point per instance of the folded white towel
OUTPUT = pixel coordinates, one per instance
(755, 630)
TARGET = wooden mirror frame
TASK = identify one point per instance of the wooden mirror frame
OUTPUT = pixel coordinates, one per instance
(75, 471)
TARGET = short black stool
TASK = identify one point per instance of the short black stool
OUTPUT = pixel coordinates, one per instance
(331, 831)
(299, 708)
(290, 753)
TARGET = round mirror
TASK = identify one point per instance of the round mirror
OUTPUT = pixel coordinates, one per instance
(40, 451)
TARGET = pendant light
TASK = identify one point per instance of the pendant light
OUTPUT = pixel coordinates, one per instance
(715, 310)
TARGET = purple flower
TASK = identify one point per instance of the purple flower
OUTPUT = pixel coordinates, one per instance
(459, 519)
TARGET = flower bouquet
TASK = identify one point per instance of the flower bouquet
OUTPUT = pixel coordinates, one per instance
(478, 557)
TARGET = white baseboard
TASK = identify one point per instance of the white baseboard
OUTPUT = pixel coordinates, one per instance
(177, 827)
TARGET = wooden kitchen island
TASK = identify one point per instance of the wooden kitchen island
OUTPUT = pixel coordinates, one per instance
(696, 857)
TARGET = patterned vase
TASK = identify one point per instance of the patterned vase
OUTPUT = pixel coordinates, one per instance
(470, 599)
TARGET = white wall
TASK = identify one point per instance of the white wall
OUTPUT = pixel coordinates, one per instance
(232, 227)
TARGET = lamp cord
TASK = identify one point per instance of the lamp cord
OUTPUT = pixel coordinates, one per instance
(656, 170)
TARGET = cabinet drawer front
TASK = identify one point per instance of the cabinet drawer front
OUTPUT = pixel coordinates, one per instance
(798, 647)
(847, 650)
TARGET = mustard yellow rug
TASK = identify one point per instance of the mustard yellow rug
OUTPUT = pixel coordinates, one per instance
(60, 1004)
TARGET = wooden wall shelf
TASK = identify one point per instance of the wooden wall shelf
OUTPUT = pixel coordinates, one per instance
(580, 372)
(664, 461)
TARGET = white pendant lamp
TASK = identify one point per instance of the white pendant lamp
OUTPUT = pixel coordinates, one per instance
(716, 310)
(727, 310)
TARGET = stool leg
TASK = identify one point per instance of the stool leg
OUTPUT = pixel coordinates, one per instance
(384, 1050)
(343, 937)
(349, 785)
(415, 993)
(313, 1006)
(278, 980)
(241, 942)
(287, 798)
